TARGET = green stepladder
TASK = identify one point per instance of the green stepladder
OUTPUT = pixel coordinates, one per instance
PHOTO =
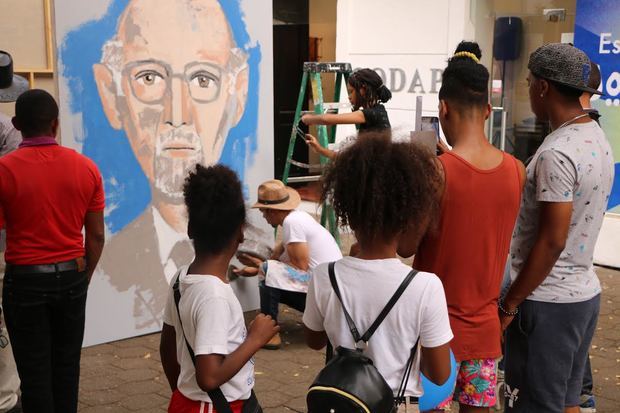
(312, 71)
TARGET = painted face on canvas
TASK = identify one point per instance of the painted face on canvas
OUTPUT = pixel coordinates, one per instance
(174, 80)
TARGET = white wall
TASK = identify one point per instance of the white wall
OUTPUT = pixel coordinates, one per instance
(407, 42)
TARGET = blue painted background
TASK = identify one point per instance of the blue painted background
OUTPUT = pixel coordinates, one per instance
(127, 189)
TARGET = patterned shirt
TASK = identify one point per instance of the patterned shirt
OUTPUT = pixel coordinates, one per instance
(10, 138)
(573, 164)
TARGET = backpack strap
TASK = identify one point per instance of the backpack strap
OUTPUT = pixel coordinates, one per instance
(388, 307)
(217, 396)
(405, 380)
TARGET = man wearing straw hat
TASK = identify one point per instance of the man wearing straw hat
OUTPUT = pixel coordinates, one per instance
(305, 244)
(11, 86)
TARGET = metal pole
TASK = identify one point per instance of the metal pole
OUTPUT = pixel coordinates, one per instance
(502, 140)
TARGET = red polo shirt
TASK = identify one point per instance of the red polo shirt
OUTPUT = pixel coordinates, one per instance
(45, 193)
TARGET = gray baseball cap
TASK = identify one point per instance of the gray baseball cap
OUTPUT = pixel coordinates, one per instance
(562, 63)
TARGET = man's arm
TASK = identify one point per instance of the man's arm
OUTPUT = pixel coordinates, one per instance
(299, 255)
(94, 240)
(554, 223)
(168, 355)
(277, 251)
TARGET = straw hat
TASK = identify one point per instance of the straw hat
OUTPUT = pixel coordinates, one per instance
(275, 195)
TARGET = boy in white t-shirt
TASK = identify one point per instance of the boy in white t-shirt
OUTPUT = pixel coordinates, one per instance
(305, 244)
(208, 347)
(381, 189)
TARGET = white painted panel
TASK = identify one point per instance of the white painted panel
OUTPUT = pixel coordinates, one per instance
(607, 251)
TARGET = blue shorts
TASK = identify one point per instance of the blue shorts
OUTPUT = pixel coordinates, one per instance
(546, 352)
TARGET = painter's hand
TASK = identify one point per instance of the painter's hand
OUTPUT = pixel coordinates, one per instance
(262, 329)
(246, 271)
(249, 260)
(308, 119)
(313, 142)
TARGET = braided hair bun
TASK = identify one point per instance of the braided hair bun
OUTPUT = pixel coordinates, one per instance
(466, 80)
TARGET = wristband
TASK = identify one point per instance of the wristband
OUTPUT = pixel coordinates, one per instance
(506, 312)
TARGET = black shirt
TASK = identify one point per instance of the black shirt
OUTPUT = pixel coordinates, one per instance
(376, 119)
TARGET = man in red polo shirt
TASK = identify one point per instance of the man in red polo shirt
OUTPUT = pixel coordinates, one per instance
(48, 194)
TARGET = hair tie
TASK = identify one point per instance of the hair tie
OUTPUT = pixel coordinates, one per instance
(467, 54)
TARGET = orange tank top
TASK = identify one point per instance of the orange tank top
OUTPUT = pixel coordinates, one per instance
(468, 251)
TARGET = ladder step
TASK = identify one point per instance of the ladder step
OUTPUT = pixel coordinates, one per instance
(298, 179)
(327, 67)
(336, 105)
(331, 107)
(305, 165)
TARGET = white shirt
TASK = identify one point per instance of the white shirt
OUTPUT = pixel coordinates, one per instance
(366, 286)
(299, 226)
(213, 324)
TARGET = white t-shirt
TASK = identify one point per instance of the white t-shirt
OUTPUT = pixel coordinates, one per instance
(213, 324)
(366, 286)
(299, 226)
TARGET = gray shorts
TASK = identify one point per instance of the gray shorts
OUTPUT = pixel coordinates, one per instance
(546, 351)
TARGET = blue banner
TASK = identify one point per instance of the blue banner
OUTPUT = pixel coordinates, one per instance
(597, 32)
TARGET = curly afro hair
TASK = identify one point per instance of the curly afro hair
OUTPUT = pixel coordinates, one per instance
(382, 188)
(215, 207)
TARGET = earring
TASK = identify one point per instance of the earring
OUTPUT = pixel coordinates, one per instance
(542, 95)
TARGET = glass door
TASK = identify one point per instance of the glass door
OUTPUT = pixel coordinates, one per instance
(508, 32)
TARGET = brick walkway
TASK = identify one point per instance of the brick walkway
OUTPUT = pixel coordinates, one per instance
(126, 376)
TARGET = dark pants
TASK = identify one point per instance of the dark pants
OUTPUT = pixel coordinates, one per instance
(588, 383)
(546, 353)
(45, 315)
(271, 297)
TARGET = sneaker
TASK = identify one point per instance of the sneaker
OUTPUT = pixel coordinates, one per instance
(587, 404)
(274, 344)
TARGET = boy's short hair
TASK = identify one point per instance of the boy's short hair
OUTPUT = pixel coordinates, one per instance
(215, 207)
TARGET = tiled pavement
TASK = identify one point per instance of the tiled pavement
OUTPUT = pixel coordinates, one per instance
(126, 376)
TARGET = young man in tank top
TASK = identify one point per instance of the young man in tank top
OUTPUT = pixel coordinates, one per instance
(479, 205)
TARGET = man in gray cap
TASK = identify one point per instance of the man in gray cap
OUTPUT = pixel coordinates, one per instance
(11, 86)
(555, 293)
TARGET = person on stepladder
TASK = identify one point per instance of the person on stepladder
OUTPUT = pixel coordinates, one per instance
(366, 94)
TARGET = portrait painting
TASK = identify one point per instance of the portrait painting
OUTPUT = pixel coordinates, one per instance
(148, 89)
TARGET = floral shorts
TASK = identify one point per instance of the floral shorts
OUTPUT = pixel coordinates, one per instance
(475, 384)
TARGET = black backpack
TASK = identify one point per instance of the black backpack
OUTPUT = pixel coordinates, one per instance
(350, 382)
